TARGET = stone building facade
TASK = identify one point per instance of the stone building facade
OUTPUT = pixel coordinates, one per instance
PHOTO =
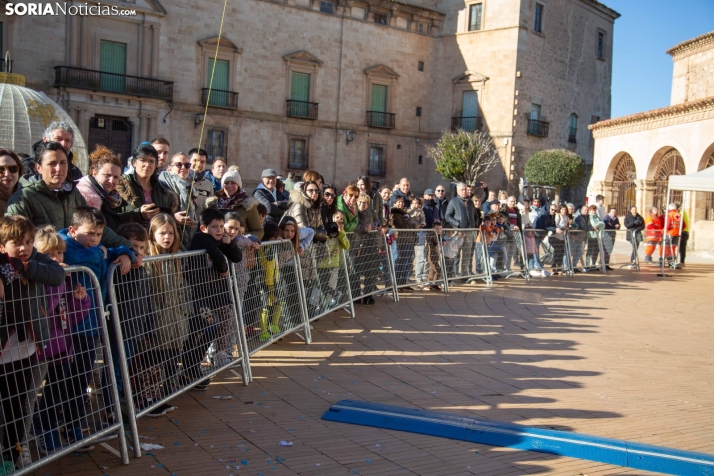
(636, 154)
(344, 87)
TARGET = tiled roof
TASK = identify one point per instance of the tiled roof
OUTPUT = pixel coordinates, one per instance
(691, 44)
(678, 109)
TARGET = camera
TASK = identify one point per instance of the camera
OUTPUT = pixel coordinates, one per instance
(332, 230)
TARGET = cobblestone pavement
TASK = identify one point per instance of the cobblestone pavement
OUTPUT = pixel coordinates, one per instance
(628, 355)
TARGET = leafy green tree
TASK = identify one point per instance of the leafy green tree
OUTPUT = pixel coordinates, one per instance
(464, 156)
(556, 168)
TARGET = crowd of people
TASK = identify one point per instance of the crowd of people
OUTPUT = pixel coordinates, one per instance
(164, 202)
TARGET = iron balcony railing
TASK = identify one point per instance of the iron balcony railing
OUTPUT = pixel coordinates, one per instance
(220, 98)
(469, 124)
(380, 119)
(303, 109)
(81, 78)
(297, 160)
(538, 128)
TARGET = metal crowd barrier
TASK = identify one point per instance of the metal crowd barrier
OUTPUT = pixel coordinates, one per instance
(176, 325)
(506, 253)
(546, 249)
(58, 393)
(325, 280)
(270, 289)
(418, 260)
(585, 248)
(617, 251)
(369, 265)
(465, 255)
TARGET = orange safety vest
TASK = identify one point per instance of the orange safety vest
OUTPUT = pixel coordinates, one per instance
(653, 228)
(674, 222)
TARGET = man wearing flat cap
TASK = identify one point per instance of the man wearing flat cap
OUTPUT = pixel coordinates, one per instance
(266, 193)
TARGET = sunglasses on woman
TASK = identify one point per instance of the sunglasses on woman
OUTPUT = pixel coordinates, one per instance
(13, 169)
(178, 165)
(312, 190)
(329, 195)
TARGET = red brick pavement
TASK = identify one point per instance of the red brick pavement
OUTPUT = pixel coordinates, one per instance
(627, 355)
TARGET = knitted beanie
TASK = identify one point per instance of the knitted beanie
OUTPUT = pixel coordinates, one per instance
(233, 175)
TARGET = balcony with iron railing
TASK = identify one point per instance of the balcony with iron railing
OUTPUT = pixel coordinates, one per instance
(301, 109)
(81, 78)
(298, 160)
(469, 124)
(572, 135)
(384, 120)
(219, 98)
(538, 128)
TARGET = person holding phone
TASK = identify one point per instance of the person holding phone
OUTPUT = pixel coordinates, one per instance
(99, 190)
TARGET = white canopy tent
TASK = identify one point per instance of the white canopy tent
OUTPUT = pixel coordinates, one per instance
(702, 181)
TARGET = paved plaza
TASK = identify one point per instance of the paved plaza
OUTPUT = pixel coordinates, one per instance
(627, 355)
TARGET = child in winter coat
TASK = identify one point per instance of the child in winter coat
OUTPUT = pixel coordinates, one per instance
(212, 301)
(333, 282)
(171, 297)
(67, 306)
(24, 333)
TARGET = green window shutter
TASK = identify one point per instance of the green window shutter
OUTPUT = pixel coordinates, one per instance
(112, 59)
(221, 82)
(299, 91)
(379, 98)
(469, 110)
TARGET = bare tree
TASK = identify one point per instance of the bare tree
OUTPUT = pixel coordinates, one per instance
(464, 156)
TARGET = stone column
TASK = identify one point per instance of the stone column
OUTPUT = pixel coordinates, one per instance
(645, 194)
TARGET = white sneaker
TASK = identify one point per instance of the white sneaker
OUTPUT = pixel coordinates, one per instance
(545, 273)
(23, 459)
(535, 272)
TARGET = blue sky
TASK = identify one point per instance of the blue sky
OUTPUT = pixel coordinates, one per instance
(642, 71)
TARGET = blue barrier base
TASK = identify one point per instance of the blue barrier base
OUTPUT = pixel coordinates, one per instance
(604, 450)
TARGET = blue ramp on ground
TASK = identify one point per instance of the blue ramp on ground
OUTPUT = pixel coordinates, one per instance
(604, 450)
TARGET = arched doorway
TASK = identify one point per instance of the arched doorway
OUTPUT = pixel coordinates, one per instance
(624, 189)
(670, 164)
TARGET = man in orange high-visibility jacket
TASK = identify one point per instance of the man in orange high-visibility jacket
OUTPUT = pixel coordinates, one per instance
(674, 221)
(654, 224)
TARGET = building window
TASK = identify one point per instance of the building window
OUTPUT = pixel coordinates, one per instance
(299, 95)
(475, 14)
(297, 154)
(420, 66)
(112, 59)
(380, 18)
(327, 7)
(600, 44)
(573, 129)
(421, 159)
(220, 71)
(215, 144)
(538, 20)
(377, 166)
(418, 111)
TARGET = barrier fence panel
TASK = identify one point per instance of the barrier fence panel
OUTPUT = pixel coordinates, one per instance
(368, 265)
(417, 261)
(57, 390)
(617, 250)
(547, 252)
(270, 292)
(660, 248)
(175, 324)
(325, 278)
(506, 253)
(585, 248)
(466, 255)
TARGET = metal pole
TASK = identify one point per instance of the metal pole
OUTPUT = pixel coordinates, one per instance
(351, 310)
(123, 365)
(235, 301)
(392, 271)
(303, 298)
(664, 236)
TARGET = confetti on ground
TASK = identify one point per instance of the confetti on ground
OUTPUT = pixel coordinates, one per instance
(223, 397)
(286, 443)
(151, 446)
